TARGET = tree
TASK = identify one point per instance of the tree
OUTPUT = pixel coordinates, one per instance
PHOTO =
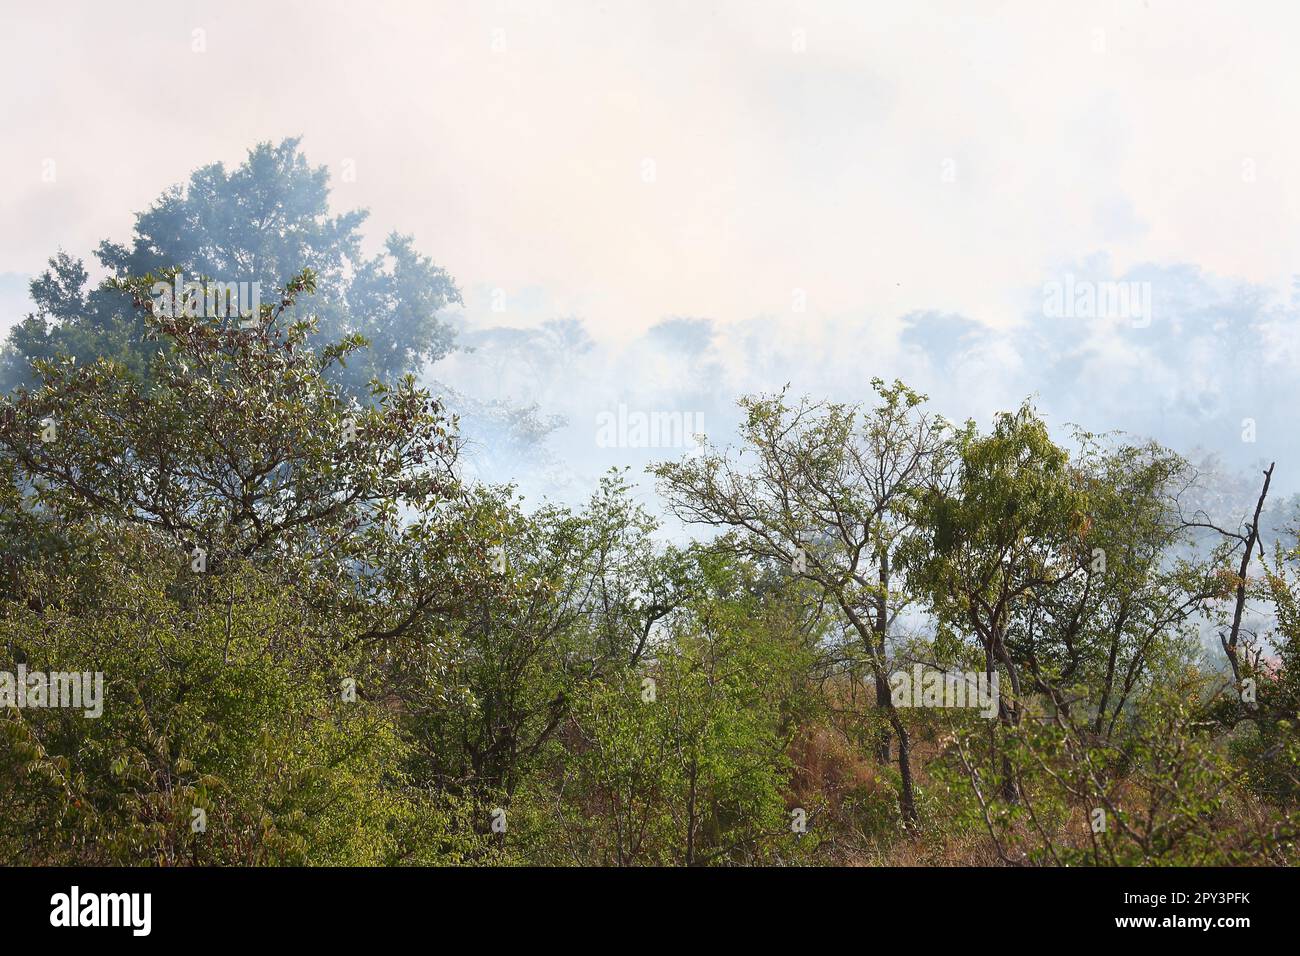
(1133, 584)
(1003, 531)
(263, 222)
(238, 549)
(829, 495)
(236, 444)
(683, 758)
(564, 598)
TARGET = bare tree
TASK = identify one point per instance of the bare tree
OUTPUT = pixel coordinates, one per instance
(1247, 538)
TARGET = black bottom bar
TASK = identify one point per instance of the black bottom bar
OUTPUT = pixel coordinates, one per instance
(333, 906)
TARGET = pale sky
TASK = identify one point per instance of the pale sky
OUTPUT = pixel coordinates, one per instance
(1153, 131)
(914, 172)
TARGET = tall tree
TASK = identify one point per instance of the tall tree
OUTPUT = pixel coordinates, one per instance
(227, 542)
(828, 493)
(263, 222)
(1002, 531)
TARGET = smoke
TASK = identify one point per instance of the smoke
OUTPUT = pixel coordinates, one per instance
(1209, 371)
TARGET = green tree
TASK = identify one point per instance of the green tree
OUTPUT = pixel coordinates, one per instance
(265, 221)
(1003, 530)
(827, 492)
(683, 758)
(561, 599)
(239, 549)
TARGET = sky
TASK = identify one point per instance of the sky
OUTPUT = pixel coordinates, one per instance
(731, 196)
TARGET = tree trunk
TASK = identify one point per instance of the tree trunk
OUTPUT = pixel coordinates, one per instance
(875, 644)
(690, 815)
(1008, 716)
(906, 792)
(882, 681)
(882, 704)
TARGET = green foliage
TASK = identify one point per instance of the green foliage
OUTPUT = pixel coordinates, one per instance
(264, 222)
(320, 646)
(684, 760)
(217, 698)
(223, 676)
